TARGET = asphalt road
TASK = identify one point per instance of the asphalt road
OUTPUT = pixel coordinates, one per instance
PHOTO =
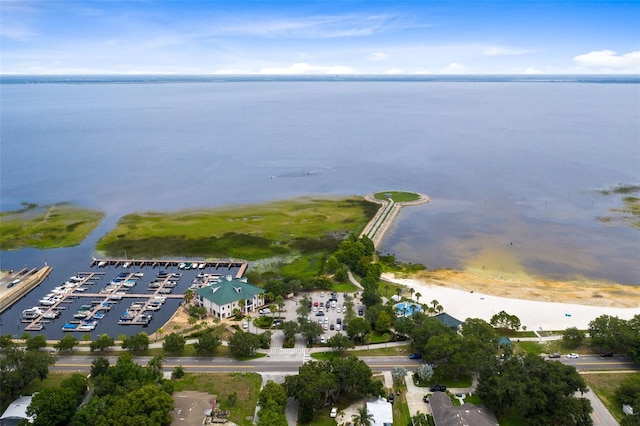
(290, 364)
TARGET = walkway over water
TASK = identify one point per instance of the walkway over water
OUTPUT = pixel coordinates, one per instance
(389, 209)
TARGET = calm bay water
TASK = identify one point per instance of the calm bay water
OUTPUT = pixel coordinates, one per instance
(512, 166)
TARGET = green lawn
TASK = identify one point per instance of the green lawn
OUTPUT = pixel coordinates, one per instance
(279, 228)
(45, 227)
(397, 196)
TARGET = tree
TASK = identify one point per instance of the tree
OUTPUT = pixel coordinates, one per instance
(147, 405)
(273, 402)
(419, 419)
(188, 296)
(398, 373)
(86, 337)
(101, 343)
(362, 417)
(174, 343)
(436, 306)
(398, 291)
(242, 304)
(386, 337)
(311, 331)
(538, 390)
(425, 372)
(505, 320)
(341, 275)
(67, 343)
(155, 367)
(159, 333)
(280, 303)
(384, 322)
(208, 343)
(53, 406)
(99, 366)
(178, 372)
(418, 296)
(243, 344)
(331, 265)
(303, 308)
(357, 328)
(340, 342)
(232, 398)
(137, 342)
(411, 291)
(572, 337)
(35, 343)
(610, 334)
(289, 329)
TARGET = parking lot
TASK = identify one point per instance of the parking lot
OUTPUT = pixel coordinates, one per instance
(326, 309)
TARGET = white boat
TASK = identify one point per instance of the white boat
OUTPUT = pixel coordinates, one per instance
(126, 264)
(139, 274)
(47, 302)
(182, 265)
(51, 315)
(32, 313)
(102, 264)
(202, 265)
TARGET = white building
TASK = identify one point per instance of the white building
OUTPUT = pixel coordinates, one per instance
(382, 412)
(221, 299)
(16, 412)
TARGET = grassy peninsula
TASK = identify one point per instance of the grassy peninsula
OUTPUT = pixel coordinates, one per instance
(397, 196)
(45, 227)
(251, 232)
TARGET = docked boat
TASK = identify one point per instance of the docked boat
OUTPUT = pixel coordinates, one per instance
(32, 313)
(98, 316)
(202, 266)
(81, 289)
(81, 314)
(51, 314)
(102, 264)
(47, 301)
(69, 326)
(126, 264)
(143, 319)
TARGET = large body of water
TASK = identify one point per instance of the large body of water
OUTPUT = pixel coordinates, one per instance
(512, 166)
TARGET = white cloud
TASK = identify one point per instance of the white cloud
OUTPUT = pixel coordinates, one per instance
(304, 68)
(505, 51)
(378, 56)
(604, 60)
(454, 68)
(17, 32)
(394, 71)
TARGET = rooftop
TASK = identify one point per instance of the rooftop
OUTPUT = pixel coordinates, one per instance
(228, 291)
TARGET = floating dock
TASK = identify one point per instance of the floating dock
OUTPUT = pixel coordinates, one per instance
(171, 263)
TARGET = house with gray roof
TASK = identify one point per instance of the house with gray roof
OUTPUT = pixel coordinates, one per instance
(448, 320)
(222, 298)
(445, 414)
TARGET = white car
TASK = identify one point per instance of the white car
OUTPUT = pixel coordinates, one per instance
(334, 412)
(572, 355)
(245, 325)
(322, 339)
(338, 310)
(326, 327)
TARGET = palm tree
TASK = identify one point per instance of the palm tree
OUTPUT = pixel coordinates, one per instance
(418, 296)
(242, 303)
(411, 290)
(363, 417)
(399, 291)
(188, 296)
(386, 290)
(159, 332)
(280, 303)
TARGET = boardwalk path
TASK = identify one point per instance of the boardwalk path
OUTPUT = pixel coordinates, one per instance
(379, 225)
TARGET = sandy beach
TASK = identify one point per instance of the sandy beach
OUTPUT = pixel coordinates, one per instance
(539, 305)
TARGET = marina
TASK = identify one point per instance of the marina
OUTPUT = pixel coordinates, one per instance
(82, 301)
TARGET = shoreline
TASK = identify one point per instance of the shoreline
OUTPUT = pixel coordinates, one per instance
(540, 305)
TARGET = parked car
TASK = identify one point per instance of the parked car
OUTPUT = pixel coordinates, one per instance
(572, 355)
(360, 312)
(332, 327)
(315, 304)
(334, 412)
(438, 388)
(415, 356)
(319, 314)
(606, 354)
(338, 327)
(554, 355)
(245, 325)
(390, 398)
(426, 398)
(339, 321)
(323, 340)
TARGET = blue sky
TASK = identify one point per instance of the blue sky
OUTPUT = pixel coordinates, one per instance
(319, 37)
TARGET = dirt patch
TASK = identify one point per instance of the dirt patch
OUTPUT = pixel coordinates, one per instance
(189, 407)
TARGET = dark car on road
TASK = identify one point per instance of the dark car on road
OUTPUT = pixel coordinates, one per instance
(438, 388)
(415, 356)
(606, 354)
(554, 355)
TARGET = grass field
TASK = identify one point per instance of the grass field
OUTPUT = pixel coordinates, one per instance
(397, 196)
(604, 385)
(279, 228)
(45, 227)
